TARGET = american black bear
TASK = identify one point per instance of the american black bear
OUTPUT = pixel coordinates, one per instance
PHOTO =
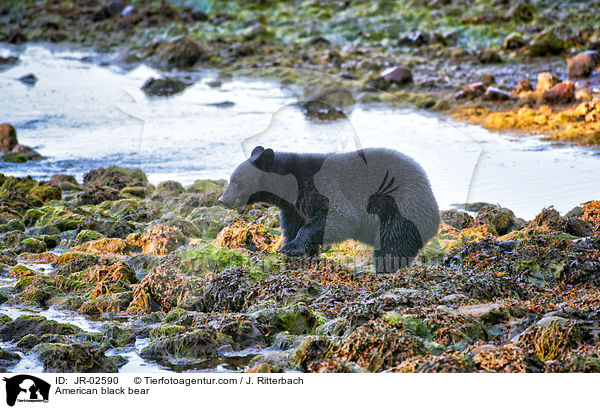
(377, 196)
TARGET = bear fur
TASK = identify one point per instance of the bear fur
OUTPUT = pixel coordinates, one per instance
(377, 196)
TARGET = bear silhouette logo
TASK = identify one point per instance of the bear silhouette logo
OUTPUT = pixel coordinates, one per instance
(26, 388)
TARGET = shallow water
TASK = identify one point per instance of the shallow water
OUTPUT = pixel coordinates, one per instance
(83, 115)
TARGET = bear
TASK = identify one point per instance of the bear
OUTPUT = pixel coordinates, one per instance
(377, 196)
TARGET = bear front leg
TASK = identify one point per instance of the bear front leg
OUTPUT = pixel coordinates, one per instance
(291, 223)
(308, 239)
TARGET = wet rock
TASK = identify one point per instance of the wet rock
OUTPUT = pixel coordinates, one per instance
(182, 53)
(523, 86)
(160, 240)
(28, 79)
(546, 81)
(421, 38)
(65, 182)
(489, 56)
(112, 9)
(251, 236)
(398, 75)
(34, 324)
(513, 41)
(591, 213)
(561, 93)
(551, 337)
(495, 94)
(74, 358)
(8, 358)
(105, 246)
(208, 258)
(376, 346)
(211, 220)
(502, 220)
(87, 235)
(167, 189)
(523, 12)
(227, 291)
(582, 65)
(546, 43)
(115, 177)
(8, 137)
(195, 346)
(163, 86)
(27, 152)
(312, 352)
(31, 245)
(471, 91)
(46, 193)
(456, 218)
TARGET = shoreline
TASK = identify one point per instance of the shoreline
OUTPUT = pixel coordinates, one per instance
(178, 272)
(432, 70)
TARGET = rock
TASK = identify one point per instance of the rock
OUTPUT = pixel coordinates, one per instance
(419, 38)
(163, 86)
(582, 64)
(167, 189)
(31, 245)
(479, 310)
(160, 240)
(471, 91)
(398, 75)
(8, 61)
(546, 43)
(8, 137)
(523, 12)
(34, 324)
(207, 186)
(65, 182)
(104, 246)
(561, 93)
(489, 56)
(456, 218)
(14, 157)
(583, 95)
(115, 177)
(211, 220)
(46, 193)
(496, 94)
(545, 81)
(57, 357)
(88, 235)
(28, 152)
(182, 53)
(513, 41)
(196, 346)
(523, 86)
(28, 79)
(112, 9)
(127, 11)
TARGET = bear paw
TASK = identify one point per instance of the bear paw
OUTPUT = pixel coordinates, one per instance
(292, 249)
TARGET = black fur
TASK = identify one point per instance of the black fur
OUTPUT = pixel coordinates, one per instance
(303, 222)
(399, 238)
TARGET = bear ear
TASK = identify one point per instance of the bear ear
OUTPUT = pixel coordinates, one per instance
(257, 150)
(265, 159)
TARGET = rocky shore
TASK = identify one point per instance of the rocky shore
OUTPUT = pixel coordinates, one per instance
(199, 284)
(524, 66)
(490, 293)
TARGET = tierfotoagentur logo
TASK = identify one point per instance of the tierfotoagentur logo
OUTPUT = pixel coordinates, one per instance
(26, 388)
